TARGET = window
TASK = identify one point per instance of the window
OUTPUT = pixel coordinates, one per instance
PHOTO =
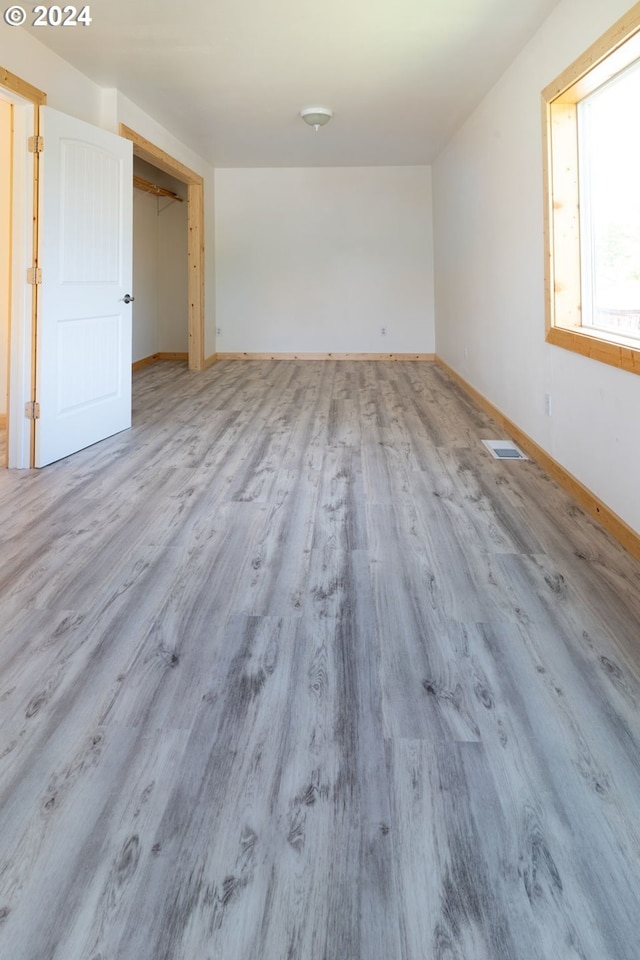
(592, 200)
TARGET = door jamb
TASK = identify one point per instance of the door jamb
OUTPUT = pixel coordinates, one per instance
(22, 341)
(152, 154)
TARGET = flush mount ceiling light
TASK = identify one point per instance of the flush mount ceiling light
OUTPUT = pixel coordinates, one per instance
(316, 116)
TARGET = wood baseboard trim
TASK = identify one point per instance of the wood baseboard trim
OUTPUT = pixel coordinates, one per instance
(172, 356)
(209, 361)
(156, 357)
(145, 362)
(422, 357)
(612, 523)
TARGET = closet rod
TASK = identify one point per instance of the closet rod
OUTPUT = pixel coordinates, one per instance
(141, 184)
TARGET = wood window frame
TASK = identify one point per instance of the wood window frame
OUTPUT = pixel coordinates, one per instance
(608, 56)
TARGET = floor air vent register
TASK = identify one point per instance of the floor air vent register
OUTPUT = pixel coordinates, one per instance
(504, 450)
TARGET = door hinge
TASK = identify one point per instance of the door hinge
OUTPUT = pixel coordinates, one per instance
(32, 410)
(34, 275)
(36, 144)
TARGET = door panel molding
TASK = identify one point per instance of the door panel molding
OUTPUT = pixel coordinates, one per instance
(84, 332)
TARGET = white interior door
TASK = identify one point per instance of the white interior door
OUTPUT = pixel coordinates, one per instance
(83, 352)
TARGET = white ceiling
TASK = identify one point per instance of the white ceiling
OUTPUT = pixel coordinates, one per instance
(229, 77)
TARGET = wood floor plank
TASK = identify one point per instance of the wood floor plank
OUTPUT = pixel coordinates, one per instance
(275, 576)
(178, 658)
(91, 832)
(57, 699)
(561, 789)
(195, 892)
(447, 838)
(294, 669)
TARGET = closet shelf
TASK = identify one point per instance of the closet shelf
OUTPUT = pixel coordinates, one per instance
(141, 184)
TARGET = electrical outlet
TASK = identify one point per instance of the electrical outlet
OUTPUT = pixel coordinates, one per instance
(218, 331)
(383, 331)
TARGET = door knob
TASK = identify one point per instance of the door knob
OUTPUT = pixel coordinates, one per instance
(128, 298)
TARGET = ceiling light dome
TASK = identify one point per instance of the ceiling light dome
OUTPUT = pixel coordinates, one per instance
(316, 116)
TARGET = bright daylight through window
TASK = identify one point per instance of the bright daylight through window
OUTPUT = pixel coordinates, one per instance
(592, 158)
(609, 189)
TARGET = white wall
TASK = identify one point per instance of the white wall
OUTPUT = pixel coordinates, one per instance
(318, 260)
(66, 88)
(72, 92)
(5, 244)
(173, 285)
(489, 263)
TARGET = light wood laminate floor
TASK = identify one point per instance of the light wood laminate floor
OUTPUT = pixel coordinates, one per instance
(293, 670)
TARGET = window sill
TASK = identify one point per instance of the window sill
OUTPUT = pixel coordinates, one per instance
(618, 352)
